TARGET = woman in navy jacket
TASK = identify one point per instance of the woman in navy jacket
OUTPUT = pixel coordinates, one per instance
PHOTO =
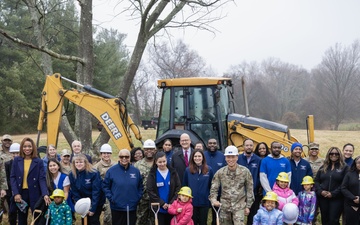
(28, 181)
(163, 184)
(85, 182)
(198, 177)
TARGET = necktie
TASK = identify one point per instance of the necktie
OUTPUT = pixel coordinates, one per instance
(186, 158)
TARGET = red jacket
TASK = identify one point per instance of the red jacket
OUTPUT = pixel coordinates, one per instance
(183, 218)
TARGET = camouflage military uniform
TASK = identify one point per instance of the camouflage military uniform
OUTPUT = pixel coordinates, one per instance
(236, 193)
(102, 167)
(144, 214)
(315, 165)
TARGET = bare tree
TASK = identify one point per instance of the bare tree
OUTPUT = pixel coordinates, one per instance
(175, 61)
(337, 78)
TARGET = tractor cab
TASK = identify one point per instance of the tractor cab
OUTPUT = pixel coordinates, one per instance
(196, 106)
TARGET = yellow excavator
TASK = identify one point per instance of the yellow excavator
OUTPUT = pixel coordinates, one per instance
(204, 108)
(109, 110)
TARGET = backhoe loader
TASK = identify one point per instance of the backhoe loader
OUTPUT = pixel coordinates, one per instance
(204, 108)
(107, 109)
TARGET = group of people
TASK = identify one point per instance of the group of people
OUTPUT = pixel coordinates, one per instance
(257, 186)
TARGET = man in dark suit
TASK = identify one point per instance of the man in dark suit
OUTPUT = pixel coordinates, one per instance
(180, 159)
(76, 149)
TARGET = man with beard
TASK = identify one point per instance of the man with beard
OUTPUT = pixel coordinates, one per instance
(272, 165)
(216, 160)
(252, 162)
(6, 141)
(143, 213)
(299, 167)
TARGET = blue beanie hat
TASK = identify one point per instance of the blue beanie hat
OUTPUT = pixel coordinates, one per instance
(296, 144)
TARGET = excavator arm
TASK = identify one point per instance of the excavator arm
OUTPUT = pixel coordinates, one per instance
(109, 110)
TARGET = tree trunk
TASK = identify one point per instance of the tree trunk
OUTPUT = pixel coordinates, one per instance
(85, 73)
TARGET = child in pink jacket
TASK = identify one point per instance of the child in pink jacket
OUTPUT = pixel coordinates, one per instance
(182, 208)
(285, 194)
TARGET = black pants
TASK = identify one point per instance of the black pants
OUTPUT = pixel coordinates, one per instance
(330, 209)
(12, 210)
(200, 215)
(254, 208)
(22, 217)
(164, 218)
(351, 216)
(120, 217)
(94, 219)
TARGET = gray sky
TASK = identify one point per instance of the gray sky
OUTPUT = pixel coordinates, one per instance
(295, 31)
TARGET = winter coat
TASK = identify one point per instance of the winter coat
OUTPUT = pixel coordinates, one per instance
(330, 181)
(285, 195)
(184, 217)
(152, 188)
(264, 217)
(36, 179)
(87, 184)
(307, 207)
(350, 188)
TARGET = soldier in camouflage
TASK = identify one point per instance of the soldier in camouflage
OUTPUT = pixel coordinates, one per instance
(236, 190)
(143, 213)
(102, 166)
(5, 156)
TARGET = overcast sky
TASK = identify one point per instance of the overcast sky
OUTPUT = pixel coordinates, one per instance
(295, 31)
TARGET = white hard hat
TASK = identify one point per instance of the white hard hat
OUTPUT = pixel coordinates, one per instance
(149, 144)
(291, 213)
(231, 150)
(82, 206)
(106, 148)
(14, 147)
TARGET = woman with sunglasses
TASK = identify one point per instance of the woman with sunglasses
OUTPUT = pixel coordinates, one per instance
(85, 182)
(328, 186)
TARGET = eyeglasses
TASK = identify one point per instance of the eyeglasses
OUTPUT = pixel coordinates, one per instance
(185, 140)
(334, 154)
(124, 156)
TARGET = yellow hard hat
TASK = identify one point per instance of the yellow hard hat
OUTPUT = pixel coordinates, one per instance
(283, 177)
(57, 193)
(271, 196)
(185, 191)
(307, 180)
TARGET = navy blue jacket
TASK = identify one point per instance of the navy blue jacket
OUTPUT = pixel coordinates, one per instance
(215, 160)
(87, 184)
(200, 186)
(36, 179)
(254, 167)
(123, 187)
(298, 173)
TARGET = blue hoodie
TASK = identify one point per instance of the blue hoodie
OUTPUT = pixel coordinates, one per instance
(215, 160)
(123, 187)
(264, 217)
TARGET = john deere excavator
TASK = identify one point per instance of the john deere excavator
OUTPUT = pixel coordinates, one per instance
(109, 110)
(204, 108)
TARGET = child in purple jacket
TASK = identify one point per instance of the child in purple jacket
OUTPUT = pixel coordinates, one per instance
(307, 202)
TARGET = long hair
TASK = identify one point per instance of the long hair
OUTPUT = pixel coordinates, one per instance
(353, 165)
(34, 149)
(195, 168)
(49, 176)
(256, 151)
(47, 150)
(132, 154)
(157, 156)
(88, 167)
(340, 163)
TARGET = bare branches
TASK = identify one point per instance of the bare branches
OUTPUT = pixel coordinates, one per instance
(42, 49)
